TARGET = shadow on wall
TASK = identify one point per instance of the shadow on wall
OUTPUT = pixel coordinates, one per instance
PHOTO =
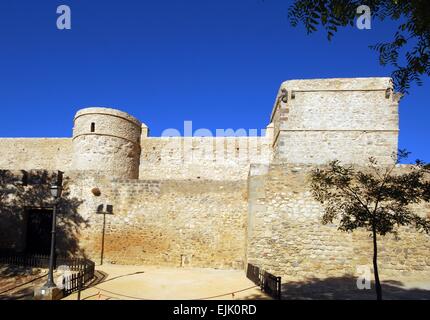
(345, 288)
(23, 191)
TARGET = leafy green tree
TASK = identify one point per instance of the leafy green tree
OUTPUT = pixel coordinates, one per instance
(377, 199)
(412, 35)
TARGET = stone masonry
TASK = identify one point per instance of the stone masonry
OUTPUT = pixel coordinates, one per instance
(220, 202)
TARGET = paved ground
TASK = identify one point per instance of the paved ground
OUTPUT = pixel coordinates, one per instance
(115, 282)
(153, 283)
(160, 283)
(415, 287)
(17, 283)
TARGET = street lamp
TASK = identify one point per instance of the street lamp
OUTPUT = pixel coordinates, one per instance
(56, 190)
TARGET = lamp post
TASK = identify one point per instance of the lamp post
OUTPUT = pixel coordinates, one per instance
(56, 189)
(109, 210)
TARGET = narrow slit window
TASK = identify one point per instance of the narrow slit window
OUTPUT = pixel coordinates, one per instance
(93, 127)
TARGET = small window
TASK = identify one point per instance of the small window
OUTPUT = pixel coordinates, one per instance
(93, 127)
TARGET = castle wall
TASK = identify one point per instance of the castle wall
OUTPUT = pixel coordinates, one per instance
(36, 153)
(220, 202)
(165, 222)
(220, 158)
(285, 234)
(345, 119)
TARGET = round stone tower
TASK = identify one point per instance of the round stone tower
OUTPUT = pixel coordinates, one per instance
(108, 141)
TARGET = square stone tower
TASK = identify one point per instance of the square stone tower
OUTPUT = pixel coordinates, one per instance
(350, 120)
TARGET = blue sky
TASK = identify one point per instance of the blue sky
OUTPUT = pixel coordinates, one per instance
(217, 63)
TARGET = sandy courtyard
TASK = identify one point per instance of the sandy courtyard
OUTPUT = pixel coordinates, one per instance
(116, 282)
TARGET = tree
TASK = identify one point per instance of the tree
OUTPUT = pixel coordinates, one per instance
(412, 35)
(376, 198)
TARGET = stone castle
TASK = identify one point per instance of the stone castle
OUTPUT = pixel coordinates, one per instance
(222, 202)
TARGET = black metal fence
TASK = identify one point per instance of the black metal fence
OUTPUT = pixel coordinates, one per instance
(76, 282)
(83, 268)
(253, 274)
(268, 283)
(272, 285)
(23, 260)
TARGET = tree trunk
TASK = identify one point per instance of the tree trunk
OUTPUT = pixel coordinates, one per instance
(375, 266)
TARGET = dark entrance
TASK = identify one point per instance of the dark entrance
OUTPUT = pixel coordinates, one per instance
(39, 231)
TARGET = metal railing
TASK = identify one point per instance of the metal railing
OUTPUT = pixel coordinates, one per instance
(76, 282)
(24, 260)
(267, 282)
(272, 285)
(84, 268)
(253, 274)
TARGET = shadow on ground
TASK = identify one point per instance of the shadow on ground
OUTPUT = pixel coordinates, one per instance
(17, 283)
(99, 277)
(22, 294)
(345, 288)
